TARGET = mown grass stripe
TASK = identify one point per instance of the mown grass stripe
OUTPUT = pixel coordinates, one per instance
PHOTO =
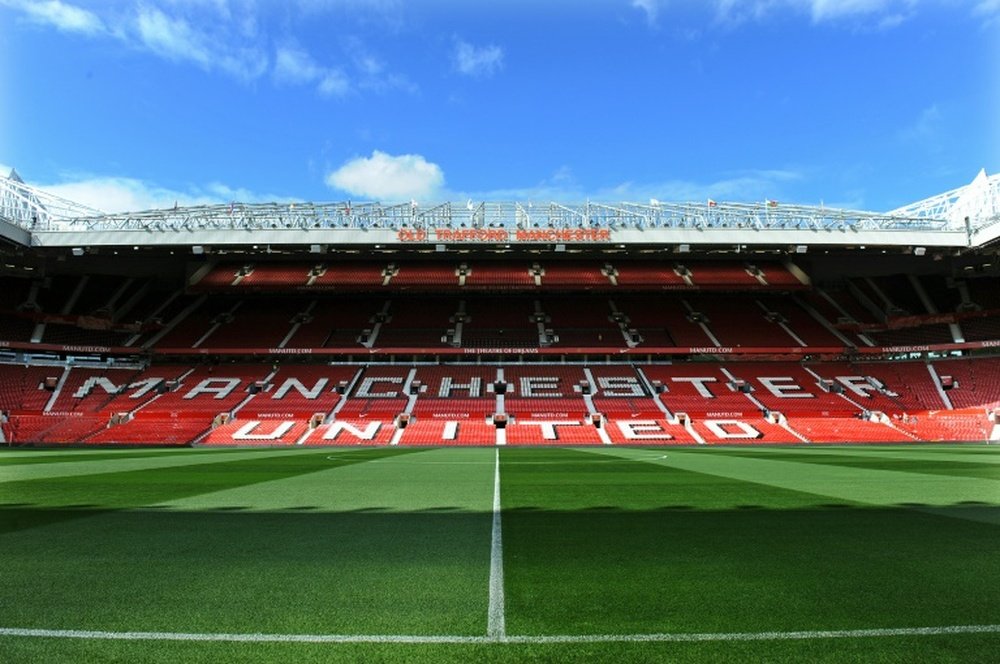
(874, 487)
(100, 466)
(681, 637)
(122, 486)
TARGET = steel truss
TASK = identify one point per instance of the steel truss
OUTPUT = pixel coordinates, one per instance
(968, 208)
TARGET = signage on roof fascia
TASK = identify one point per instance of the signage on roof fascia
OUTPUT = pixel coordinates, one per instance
(503, 235)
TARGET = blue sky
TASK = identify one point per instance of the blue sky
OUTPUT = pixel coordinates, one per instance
(859, 103)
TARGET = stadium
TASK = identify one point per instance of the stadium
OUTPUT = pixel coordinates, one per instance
(715, 430)
(498, 323)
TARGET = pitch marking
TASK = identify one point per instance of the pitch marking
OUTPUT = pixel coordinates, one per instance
(538, 639)
(496, 625)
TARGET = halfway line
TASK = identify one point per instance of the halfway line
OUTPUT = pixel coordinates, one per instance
(496, 623)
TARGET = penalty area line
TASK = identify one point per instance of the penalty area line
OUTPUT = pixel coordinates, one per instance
(502, 639)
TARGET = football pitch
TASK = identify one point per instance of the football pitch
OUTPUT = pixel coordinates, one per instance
(467, 554)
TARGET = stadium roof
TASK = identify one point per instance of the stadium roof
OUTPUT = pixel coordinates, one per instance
(968, 216)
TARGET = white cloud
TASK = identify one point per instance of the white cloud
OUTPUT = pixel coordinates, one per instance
(651, 8)
(477, 61)
(121, 194)
(403, 177)
(371, 72)
(834, 9)
(562, 186)
(295, 66)
(205, 34)
(989, 11)
(887, 14)
(388, 177)
(987, 7)
(176, 39)
(62, 16)
(171, 38)
(332, 84)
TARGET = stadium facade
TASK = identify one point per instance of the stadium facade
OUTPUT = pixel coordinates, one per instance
(492, 323)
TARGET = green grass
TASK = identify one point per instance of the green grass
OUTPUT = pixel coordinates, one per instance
(598, 541)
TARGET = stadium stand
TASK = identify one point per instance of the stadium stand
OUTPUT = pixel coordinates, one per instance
(486, 352)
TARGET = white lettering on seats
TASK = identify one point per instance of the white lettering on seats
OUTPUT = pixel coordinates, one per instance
(245, 431)
(864, 386)
(335, 429)
(145, 387)
(723, 429)
(791, 391)
(96, 381)
(295, 383)
(549, 427)
(220, 387)
(450, 431)
(473, 387)
(620, 386)
(532, 386)
(643, 430)
(365, 391)
(698, 382)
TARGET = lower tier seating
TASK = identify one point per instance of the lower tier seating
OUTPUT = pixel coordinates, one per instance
(543, 404)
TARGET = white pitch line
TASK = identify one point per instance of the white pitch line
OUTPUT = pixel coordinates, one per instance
(496, 624)
(525, 639)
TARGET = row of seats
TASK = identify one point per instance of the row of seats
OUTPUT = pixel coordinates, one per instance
(496, 275)
(110, 311)
(704, 388)
(130, 404)
(669, 320)
(580, 431)
(351, 323)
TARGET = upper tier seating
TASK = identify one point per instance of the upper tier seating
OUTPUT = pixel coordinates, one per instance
(420, 323)
(335, 322)
(495, 275)
(662, 320)
(490, 326)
